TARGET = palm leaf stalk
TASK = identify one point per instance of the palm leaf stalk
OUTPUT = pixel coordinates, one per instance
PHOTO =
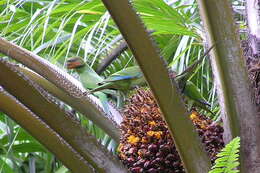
(156, 74)
(116, 52)
(43, 133)
(239, 113)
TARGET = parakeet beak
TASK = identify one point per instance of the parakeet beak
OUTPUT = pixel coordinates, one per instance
(74, 63)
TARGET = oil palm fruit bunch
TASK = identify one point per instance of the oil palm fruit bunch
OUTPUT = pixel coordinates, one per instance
(211, 134)
(146, 144)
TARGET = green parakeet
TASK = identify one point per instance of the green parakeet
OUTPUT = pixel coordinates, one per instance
(190, 91)
(122, 80)
(89, 78)
(194, 95)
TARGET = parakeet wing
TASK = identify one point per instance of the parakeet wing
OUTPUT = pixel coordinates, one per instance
(125, 74)
(192, 91)
(118, 78)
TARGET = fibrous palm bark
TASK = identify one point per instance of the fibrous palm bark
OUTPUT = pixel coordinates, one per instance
(253, 19)
(252, 47)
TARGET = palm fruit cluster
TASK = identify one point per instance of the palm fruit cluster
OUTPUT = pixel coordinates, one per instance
(211, 134)
(146, 144)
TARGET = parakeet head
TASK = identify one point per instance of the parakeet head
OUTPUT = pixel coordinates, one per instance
(74, 63)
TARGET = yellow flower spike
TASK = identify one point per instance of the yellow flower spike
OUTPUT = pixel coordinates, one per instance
(152, 123)
(144, 140)
(132, 139)
(150, 133)
(193, 116)
(203, 126)
(158, 134)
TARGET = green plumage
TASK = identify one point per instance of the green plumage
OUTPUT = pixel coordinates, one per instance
(192, 91)
(122, 80)
(89, 78)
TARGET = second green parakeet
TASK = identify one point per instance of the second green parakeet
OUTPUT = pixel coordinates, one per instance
(191, 91)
